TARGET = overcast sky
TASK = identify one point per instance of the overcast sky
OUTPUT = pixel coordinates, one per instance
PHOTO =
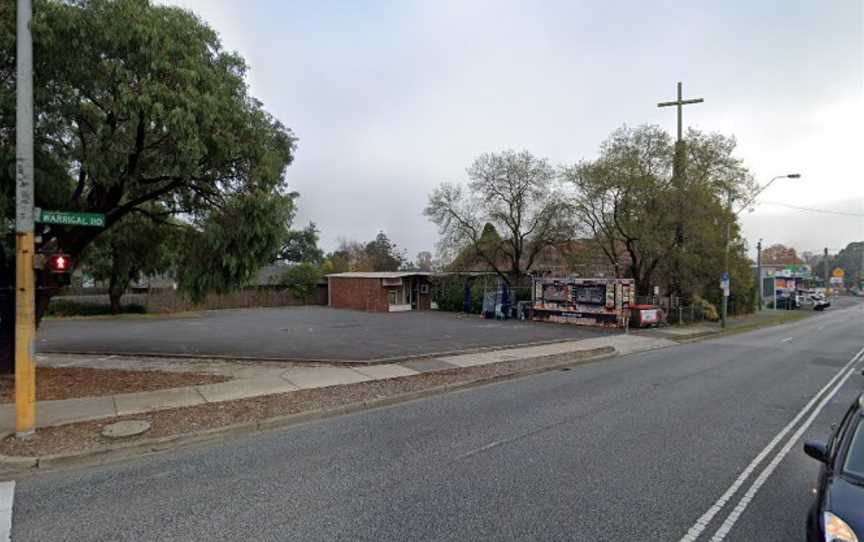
(389, 99)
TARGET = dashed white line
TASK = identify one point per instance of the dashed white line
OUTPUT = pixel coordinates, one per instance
(7, 498)
(703, 521)
(787, 339)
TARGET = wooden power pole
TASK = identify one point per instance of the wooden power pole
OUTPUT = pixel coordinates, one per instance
(25, 298)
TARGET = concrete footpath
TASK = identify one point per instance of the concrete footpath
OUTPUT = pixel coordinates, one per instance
(254, 379)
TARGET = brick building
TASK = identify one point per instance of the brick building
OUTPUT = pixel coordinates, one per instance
(380, 291)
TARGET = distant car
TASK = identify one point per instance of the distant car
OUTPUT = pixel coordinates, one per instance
(820, 303)
(838, 513)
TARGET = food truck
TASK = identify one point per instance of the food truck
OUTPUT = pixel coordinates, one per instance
(583, 301)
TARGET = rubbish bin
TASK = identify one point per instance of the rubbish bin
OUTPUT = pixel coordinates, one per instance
(645, 315)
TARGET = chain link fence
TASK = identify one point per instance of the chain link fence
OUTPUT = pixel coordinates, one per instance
(681, 311)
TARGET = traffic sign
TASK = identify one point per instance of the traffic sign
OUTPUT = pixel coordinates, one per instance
(838, 272)
(71, 218)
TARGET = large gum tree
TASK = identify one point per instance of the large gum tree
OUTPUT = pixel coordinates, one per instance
(138, 106)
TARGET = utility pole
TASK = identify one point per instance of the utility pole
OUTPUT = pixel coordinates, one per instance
(725, 282)
(825, 271)
(679, 165)
(759, 275)
(25, 298)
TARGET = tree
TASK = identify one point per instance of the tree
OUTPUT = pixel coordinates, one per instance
(302, 246)
(136, 105)
(382, 254)
(225, 250)
(628, 204)
(350, 256)
(136, 246)
(301, 279)
(424, 260)
(514, 193)
(851, 260)
(779, 254)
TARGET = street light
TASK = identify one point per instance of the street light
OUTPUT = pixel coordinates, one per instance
(725, 280)
(762, 189)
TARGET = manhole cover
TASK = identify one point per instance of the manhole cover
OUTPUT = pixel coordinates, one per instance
(128, 428)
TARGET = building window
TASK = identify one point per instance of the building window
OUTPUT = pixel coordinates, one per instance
(424, 288)
(393, 297)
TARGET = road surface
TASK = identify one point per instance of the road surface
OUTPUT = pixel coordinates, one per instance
(635, 448)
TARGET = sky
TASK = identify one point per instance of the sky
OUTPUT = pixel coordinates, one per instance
(389, 99)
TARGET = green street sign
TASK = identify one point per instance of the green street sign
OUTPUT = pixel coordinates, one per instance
(70, 218)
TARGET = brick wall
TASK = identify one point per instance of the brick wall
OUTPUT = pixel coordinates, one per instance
(358, 293)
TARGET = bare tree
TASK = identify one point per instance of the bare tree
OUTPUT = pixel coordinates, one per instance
(515, 194)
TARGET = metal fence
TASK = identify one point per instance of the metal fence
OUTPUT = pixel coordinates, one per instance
(680, 311)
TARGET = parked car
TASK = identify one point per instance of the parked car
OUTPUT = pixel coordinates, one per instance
(837, 514)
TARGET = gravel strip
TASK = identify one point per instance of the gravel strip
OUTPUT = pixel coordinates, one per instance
(55, 383)
(81, 436)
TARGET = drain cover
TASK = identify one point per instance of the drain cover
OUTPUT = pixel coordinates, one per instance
(127, 428)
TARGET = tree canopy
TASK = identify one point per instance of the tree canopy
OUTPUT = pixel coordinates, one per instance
(139, 105)
(515, 194)
(629, 204)
(135, 247)
(781, 255)
(302, 246)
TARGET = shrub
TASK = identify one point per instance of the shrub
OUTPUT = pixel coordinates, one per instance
(449, 294)
(63, 307)
(301, 279)
(706, 308)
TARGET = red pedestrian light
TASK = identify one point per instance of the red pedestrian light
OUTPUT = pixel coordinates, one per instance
(59, 263)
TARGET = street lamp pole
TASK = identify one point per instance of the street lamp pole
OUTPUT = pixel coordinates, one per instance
(759, 275)
(725, 283)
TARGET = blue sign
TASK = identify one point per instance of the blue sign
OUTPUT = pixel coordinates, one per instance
(725, 277)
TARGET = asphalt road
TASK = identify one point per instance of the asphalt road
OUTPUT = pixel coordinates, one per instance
(634, 448)
(297, 333)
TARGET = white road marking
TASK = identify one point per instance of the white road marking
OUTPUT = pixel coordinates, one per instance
(786, 340)
(703, 521)
(745, 501)
(7, 497)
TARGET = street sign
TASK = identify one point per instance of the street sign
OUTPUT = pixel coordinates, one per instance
(70, 218)
(724, 284)
(838, 272)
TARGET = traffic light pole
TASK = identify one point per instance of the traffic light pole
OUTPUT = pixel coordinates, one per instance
(25, 298)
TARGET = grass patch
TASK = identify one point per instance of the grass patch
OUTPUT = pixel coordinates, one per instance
(747, 323)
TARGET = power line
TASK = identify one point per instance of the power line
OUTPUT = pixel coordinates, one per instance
(813, 210)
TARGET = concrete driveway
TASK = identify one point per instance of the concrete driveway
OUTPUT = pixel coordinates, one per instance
(298, 333)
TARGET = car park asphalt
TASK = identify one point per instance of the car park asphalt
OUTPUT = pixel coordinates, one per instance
(634, 448)
(302, 333)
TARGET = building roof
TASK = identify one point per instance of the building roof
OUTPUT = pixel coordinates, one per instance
(380, 274)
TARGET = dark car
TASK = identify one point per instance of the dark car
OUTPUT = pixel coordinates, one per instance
(838, 513)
